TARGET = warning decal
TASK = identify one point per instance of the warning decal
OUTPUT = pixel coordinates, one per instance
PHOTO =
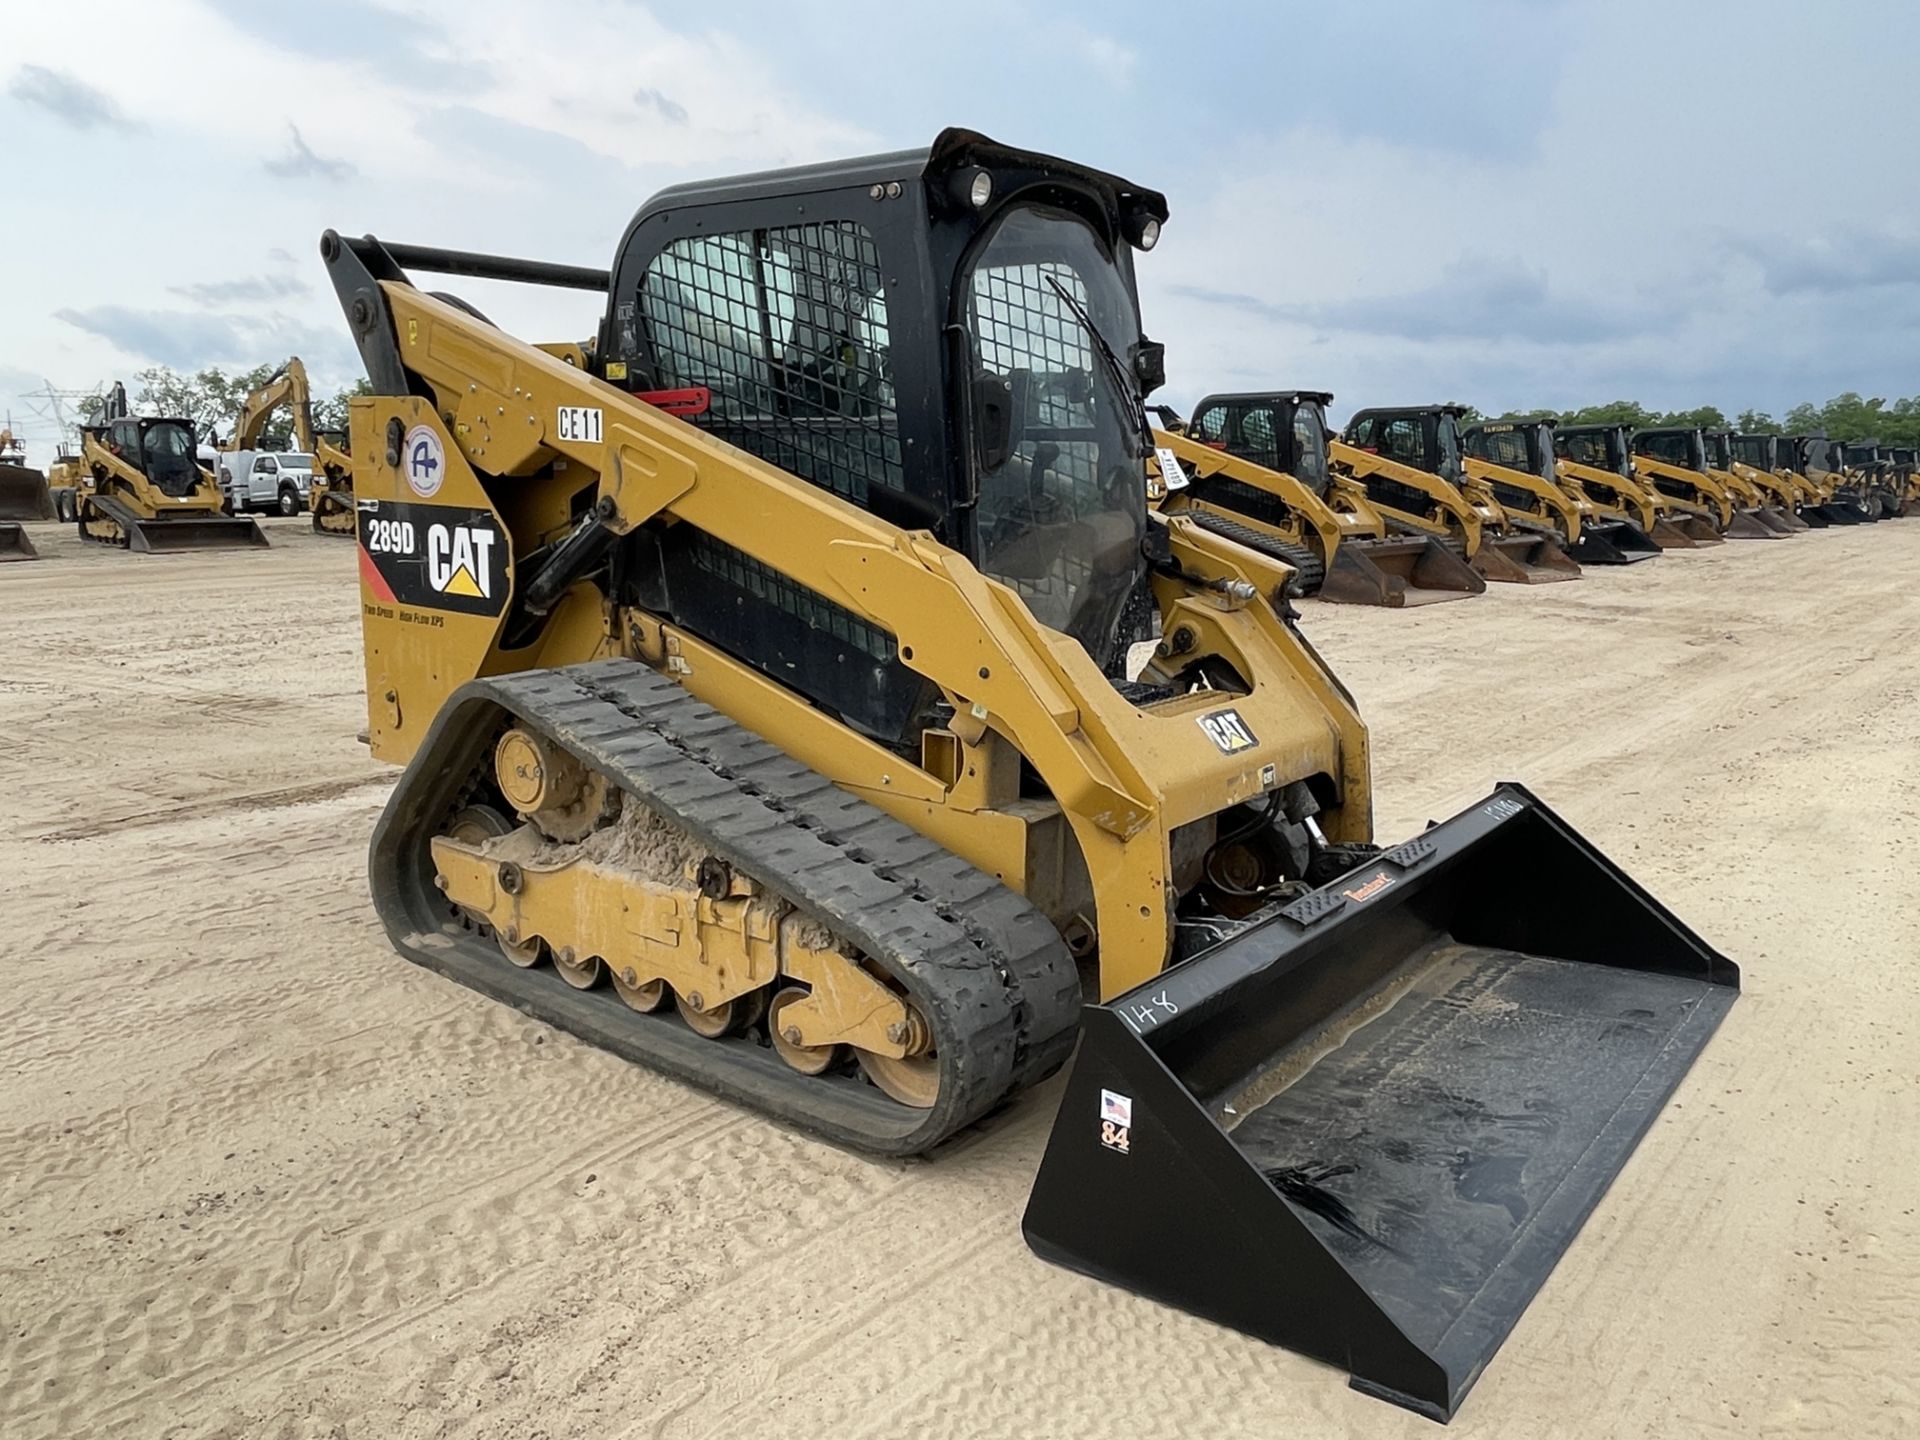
(440, 557)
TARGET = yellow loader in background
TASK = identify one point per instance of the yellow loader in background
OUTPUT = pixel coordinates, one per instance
(1409, 458)
(762, 682)
(1254, 467)
(24, 495)
(1515, 459)
(1598, 459)
(1762, 492)
(1673, 461)
(139, 485)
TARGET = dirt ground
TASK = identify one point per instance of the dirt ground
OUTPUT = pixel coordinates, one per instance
(259, 1176)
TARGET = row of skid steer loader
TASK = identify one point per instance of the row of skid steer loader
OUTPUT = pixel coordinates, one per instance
(1257, 468)
(24, 495)
(138, 484)
(1409, 461)
(330, 493)
(760, 670)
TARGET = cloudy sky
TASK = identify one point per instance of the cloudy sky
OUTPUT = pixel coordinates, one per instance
(1507, 202)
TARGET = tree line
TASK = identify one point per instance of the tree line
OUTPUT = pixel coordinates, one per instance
(213, 398)
(1845, 417)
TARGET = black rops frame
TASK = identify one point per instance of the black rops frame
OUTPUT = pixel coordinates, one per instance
(1429, 416)
(916, 206)
(1287, 402)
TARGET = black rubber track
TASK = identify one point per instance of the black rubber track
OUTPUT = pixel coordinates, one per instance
(989, 972)
(1310, 572)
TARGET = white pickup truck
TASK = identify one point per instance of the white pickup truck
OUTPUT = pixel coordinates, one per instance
(265, 480)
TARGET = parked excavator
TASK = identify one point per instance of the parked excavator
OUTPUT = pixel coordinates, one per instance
(1515, 459)
(761, 670)
(1761, 492)
(24, 495)
(1409, 460)
(1599, 459)
(1254, 467)
(330, 495)
(139, 485)
(1673, 460)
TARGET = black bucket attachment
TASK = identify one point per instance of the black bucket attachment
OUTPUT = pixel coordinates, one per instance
(198, 532)
(14, 544)
(1410, 570)
(1669, 535)
(1367, 1127)
(1783, 519)
(24, 494)
(1846, 509)
(1747, 525)
(1613, 542)
(1521, 557)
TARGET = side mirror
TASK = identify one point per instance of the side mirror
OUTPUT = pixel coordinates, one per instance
(992, 420)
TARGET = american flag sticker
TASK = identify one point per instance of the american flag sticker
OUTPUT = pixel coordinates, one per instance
(1116, 1109)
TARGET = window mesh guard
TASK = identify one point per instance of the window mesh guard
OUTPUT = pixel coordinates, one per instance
(788, 329)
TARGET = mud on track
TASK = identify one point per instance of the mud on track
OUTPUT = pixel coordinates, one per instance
(260, 1177)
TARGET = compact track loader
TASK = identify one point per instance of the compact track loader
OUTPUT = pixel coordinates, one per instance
(760, 670)
(1515, 459)
(1254, 467)
(1410, 462)
(139, 485)
(23, 496)
(1820, 463)
(1760, 492)
(330, 495)
(1772, 454)
(1673, 460)
(1904, 462)
(1873, 477)
(1598, 459)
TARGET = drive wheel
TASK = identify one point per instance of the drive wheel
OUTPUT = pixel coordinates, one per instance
(807, 1059)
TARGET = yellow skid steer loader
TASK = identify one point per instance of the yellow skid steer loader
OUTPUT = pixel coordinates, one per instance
(1515, 459)
(1768, 498)
(1774, 455)
(1819, 464)
(760, 670)
(1410, 461)
(1254, 467)
(23, 496)
(1673, 460)
(140, 486)
(1598, 459)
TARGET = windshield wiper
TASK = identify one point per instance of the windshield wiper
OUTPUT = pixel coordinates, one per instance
(1117, 372)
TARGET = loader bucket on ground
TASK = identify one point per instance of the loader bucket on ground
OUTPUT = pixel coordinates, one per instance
(14, 544)
(1814, 517)
(1845, 510)
(202, 532)
(1782, 518)
(1613, 542)
(1523, 559)
(1367, 1127)
(1747, 525)
(24, 494)
(1416, 570)
(1669, 536)
(1699, 529)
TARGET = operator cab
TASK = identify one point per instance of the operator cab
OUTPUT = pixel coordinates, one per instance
(1679, 447)
(1762, 452)
(1280, 430)
(161, 448)
(1601, 447)
(948, 338)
